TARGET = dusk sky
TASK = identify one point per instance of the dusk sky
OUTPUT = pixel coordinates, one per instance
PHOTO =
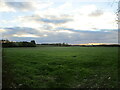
(54, 21)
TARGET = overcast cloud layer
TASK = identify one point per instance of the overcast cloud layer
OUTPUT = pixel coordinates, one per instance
(73, 22)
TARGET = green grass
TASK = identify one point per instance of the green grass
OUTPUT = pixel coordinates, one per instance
(55, 67)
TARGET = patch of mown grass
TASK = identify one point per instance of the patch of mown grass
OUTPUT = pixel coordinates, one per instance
(66, 67)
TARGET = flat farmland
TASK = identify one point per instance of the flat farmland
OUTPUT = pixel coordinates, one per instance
(60, 67)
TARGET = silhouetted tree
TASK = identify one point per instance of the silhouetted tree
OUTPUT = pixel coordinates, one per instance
(33, 41)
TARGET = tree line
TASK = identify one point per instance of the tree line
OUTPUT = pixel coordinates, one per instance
(7, 43)
(55, 44)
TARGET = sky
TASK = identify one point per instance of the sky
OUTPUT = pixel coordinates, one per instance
(58, 21)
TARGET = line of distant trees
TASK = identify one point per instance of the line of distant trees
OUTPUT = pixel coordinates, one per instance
(56, 44)
(32, 43)
(7, 43)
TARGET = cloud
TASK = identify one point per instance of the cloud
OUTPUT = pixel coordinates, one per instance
(18, 30)
(25, 35)
(62, 34)
(5, 8)
(86, 9)
(23, 32)
(57, 22)
(85, 17)
(2, 30)
(20, 5)
(54, 21)
(66, 5)
(47, 21)
(23, 6)
(86, 22)
(64, 31)
(96, 13)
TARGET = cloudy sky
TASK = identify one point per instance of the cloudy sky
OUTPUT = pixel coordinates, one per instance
(54, 21)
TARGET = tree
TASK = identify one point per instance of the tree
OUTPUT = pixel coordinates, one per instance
(33, 41)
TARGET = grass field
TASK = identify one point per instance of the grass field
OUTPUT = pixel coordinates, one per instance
(55, 67)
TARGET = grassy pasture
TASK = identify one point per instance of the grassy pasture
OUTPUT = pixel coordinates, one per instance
(55, 67)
